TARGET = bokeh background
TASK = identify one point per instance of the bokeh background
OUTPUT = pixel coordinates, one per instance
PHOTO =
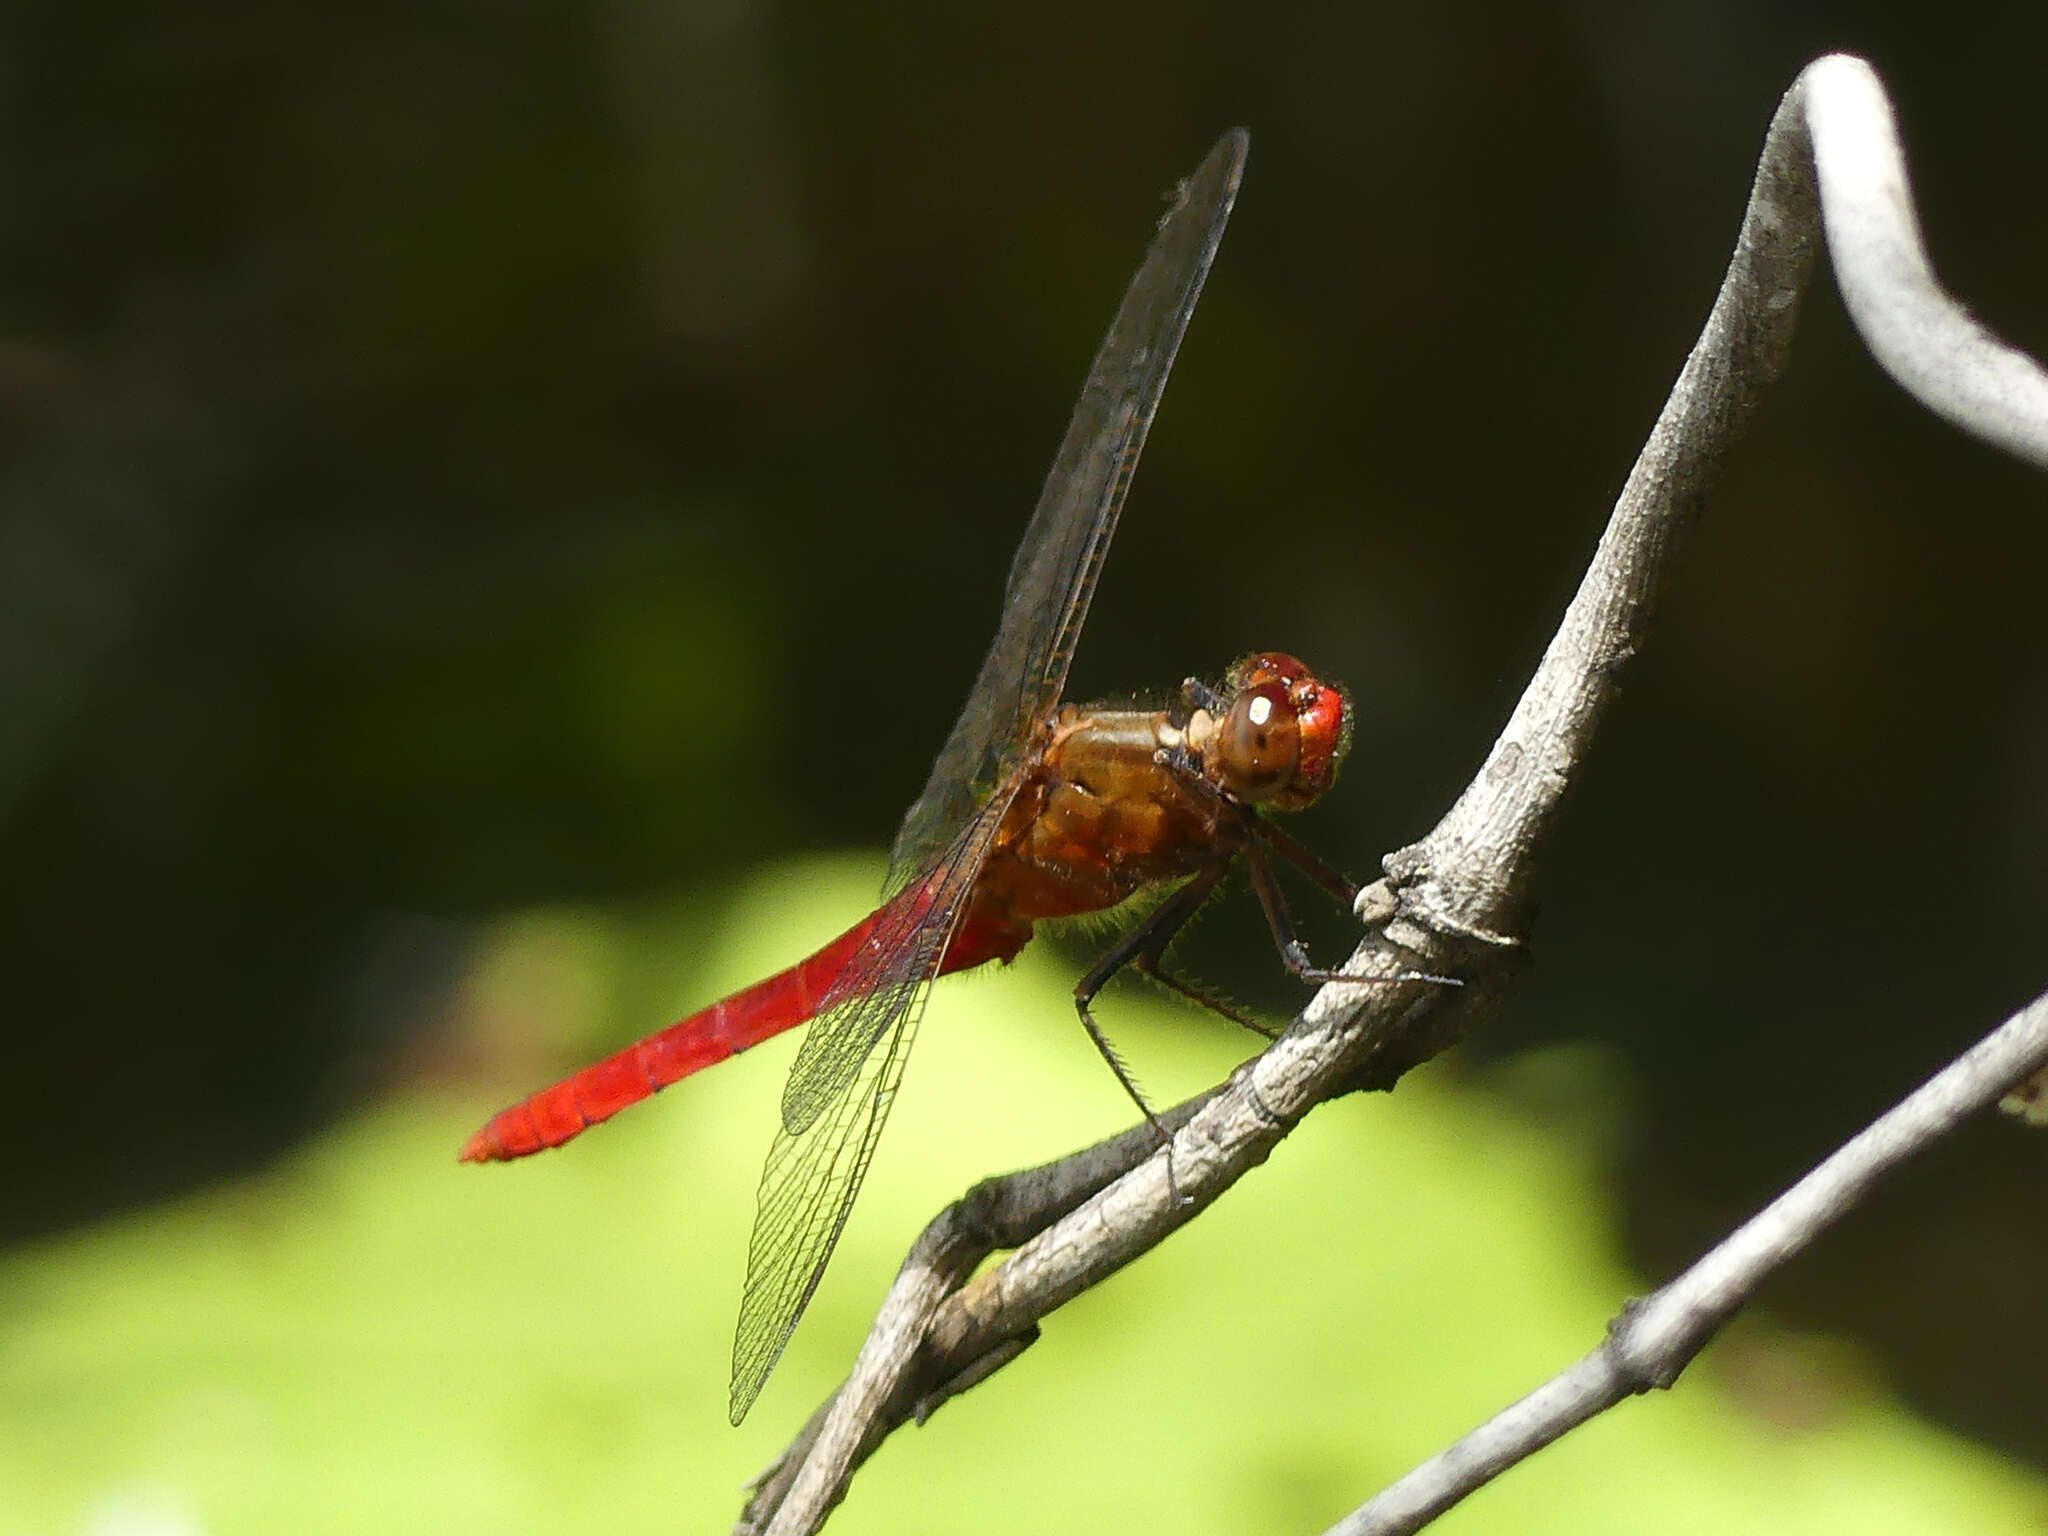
(498, 506)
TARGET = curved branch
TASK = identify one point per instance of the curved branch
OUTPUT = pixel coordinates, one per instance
(1457, 900)
(1475, 863)
(1919, 335)
(1657, 1337)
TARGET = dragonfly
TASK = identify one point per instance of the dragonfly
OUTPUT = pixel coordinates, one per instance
(1035, 810)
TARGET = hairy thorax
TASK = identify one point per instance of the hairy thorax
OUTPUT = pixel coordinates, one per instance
(1099, 818)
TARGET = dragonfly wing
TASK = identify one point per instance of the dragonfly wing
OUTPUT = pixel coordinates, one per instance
(887, 977)
(845, 1075)
(1054, 573)
(840, 1088)
(807, 1192)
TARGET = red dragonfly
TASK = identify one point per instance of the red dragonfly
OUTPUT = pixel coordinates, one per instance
(1035, 809)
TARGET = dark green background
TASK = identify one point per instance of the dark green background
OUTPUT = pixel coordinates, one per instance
(463, 457)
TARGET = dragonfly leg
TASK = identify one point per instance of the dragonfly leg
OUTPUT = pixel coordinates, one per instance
(1151, 966)
(1150, 955)
(1142, 946)
(1200, 695)
(1293, 954)
(1341, 890)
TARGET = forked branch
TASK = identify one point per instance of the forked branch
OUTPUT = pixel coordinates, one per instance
(1456, 901)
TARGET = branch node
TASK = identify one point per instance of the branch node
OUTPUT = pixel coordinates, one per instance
(1640, 1361)
(1246, 1078)
(976, 1373)
(1410, 872)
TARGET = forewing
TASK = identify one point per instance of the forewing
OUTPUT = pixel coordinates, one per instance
(846, 1072)
(840, 1088)
(1054, 572)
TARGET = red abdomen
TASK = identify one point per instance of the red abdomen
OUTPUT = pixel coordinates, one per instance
(727, 1027)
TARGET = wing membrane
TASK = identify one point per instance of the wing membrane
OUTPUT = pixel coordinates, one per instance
(886, 979)
(807, 1192)
(1054, 573)
(839, 1092)
(846, 1072)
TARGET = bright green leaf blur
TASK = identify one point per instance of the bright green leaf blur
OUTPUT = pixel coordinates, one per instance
(373, 1338)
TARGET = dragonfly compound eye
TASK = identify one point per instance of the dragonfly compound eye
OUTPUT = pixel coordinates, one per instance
(1258, 747)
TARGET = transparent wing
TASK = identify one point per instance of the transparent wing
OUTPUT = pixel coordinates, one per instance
(845, 1075)
(838, 1096)
(886, 979)
(1056, 566)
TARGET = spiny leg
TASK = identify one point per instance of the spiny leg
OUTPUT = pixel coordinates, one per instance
(1152, 966)
(1341, 890)
(1145, 942)
(1292, 953)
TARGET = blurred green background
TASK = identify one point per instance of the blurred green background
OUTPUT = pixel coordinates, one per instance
(482, 489)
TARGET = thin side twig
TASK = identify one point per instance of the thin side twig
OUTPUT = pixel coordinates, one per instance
(1657, 1337)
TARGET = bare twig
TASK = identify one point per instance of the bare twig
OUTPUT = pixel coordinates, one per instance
(1657, 1337)
(1457, 900)
(997, 1213)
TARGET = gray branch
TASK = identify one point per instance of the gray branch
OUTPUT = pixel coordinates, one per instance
(1457, 900)
(1657, 1337)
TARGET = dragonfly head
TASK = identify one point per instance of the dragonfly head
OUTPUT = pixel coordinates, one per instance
(1282, 733)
